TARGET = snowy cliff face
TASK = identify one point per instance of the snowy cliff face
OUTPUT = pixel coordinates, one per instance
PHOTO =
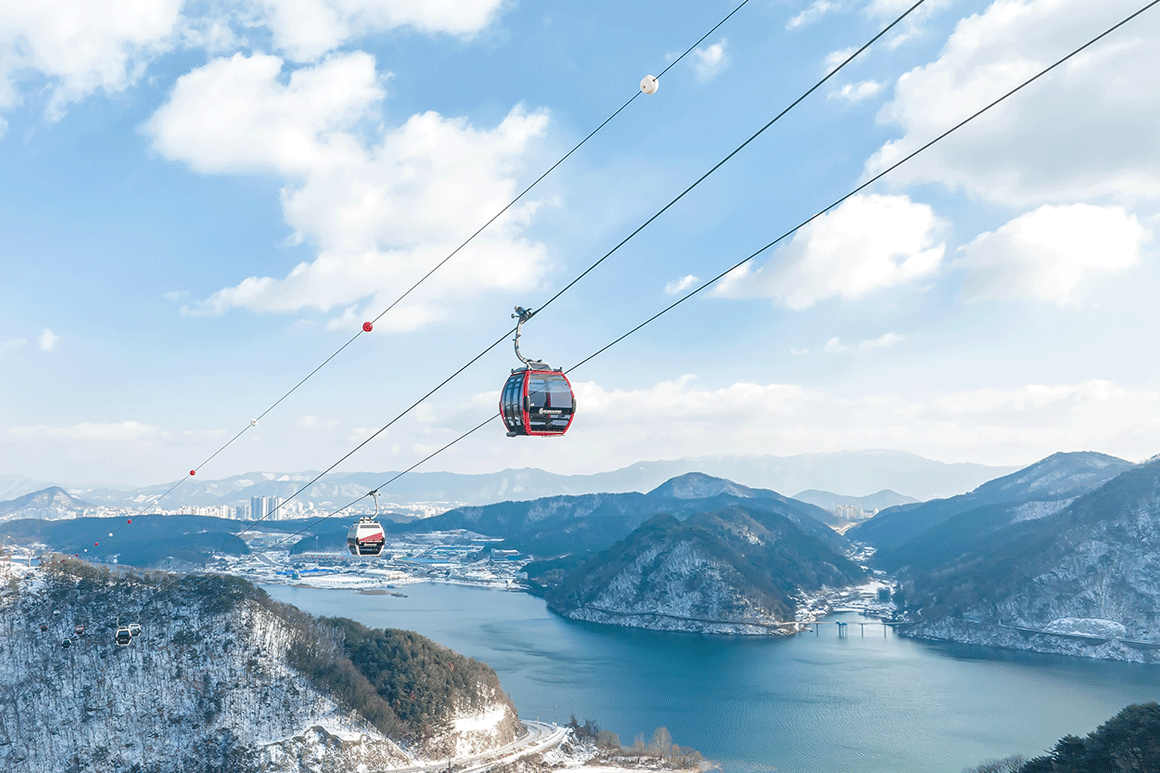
(1084, 580)
(221, 678)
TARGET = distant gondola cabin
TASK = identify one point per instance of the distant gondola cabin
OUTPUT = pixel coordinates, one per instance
(366, 538)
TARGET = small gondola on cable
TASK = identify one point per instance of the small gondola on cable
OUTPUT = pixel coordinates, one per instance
(123, 636)
(537, 399)
(79, 630)
(366, 538)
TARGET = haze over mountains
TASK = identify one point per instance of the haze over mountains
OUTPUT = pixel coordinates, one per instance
(854, 474)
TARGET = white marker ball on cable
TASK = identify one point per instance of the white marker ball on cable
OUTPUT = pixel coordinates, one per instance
(253, 422)
(649, 84)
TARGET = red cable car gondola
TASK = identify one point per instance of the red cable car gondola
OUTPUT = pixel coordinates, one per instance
(366, 538)
(537, 399)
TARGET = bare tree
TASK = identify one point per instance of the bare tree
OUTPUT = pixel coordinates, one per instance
(662, 743)
(1012, 764)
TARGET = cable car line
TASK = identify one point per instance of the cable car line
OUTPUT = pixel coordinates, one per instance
(384, 484)
(521, 430)
(702, 287)
(377, 432)
(737, 150)
(781, 238)
(367, 326)
(867, 184)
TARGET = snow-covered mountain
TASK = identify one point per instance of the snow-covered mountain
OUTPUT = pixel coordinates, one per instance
(734, 570)
(1083, 579)
(49, 503)
(1035, 489)
(222, 678)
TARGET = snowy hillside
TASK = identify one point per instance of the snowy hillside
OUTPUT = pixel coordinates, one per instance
(222, 678)
(1081, 579)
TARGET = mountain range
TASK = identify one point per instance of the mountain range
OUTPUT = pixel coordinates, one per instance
(590, 522)
(1063, 556)
(855, 473)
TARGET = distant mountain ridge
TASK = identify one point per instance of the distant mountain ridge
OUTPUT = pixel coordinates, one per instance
(590, 522)
(52, 502)
(853, 473)
(1058, 477)
(879, 500)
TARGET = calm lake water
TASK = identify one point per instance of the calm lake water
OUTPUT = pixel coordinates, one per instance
(870, 704)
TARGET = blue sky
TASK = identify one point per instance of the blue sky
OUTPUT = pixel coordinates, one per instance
(201, 201)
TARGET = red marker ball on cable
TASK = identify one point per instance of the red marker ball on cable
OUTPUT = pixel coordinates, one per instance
(193, 472)
(130, 520)
(368, 327)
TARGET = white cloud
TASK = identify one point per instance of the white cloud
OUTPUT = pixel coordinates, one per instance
(680, 285)
(710, 62)
(81, 46)
(835, 345)
(835, 58)
(307, 29)
(811, 14)
(12, 345)
(869, 243)
(881, 342)
(78, 47)
(125, 430)
(857, 92)
(684, 418)
(313, 422)
(48, 341)
(1052, 253)
(1085, 131)
(383, 204)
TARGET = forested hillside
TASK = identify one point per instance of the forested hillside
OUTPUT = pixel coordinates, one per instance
(222, 678)
(728, 571)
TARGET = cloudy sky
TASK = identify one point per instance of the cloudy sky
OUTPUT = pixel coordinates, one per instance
(201, 201)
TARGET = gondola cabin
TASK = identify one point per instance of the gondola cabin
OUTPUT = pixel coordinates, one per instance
(537, 402)
(123, 637)
(44, 627)
(366, 538)
(79, 630)
(134, 629)
(66, 643)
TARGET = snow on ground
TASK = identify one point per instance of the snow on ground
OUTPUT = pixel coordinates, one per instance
(484, 721)
(1087, 626)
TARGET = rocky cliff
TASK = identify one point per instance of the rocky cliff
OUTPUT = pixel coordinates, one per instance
(222, 679)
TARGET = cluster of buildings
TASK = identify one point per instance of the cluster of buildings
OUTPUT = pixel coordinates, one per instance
(854, 513)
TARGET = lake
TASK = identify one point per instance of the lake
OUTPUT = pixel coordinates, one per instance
(860, 704)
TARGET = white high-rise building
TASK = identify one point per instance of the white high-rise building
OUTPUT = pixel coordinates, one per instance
(258, 508)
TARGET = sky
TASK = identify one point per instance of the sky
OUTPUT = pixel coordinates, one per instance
(200, 202)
